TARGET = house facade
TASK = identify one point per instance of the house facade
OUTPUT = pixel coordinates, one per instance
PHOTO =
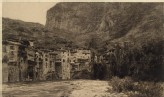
(23, 62)
(80, 59)
(10, 61)
(62, 64)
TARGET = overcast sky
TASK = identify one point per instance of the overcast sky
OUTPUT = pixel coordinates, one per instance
(30, 12)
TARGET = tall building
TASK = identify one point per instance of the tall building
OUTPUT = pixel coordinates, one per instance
(80, 59)
(62, 65)
(10, 61)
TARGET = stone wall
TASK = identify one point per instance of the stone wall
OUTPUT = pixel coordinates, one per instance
(4, 72)
(13, 73)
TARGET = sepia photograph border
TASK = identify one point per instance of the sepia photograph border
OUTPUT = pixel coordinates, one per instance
(1, 12)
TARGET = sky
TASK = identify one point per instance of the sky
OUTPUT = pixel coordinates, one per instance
(29, 12)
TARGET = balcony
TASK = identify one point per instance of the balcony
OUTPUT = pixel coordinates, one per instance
(58, 60)
(12, 60)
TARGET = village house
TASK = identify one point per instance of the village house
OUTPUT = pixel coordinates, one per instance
(31, 63)
(62, 65)
(52, 74)
(84, 58)
(39, 65)
(19, 60)
(73, 60)
(4, 63)
(80, 59)
(46, 63)
(10, 61)
(48, 67)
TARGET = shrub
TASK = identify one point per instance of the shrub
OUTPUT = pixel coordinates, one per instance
(120, 85)
(148, 89)
(136, 89)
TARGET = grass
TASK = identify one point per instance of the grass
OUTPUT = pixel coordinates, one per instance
(136, 89)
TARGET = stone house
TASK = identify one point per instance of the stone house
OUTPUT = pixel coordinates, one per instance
(62, 65)
(83, 54)
(52, 74)
(48, 66)
(46, 63)
(31, 63)
(39, 65)
(73, 61)
(52, 61)
(20, 60)
(80, 59)
(4, 63)
(10, 66)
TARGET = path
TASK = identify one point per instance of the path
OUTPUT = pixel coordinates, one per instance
(77, 88)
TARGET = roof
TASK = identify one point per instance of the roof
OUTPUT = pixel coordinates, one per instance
(31, 40)
(53, 53)
(13, 42)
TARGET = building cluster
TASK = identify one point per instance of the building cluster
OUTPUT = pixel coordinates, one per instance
(23, 62)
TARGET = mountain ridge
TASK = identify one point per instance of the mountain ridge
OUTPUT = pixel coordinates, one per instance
(92, 25)
(16, 29)
(106, 21)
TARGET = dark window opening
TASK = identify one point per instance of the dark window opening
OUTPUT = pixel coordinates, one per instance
(63, 60)
(12, 47)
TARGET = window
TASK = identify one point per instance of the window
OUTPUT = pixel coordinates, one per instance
(12, 47)
(50, 64)
(63, 60)
(12, 53)
(46, 65)
(4, 48)
(46, 59)
(46, 55)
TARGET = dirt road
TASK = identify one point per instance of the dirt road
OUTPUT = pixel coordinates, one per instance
(77, 88)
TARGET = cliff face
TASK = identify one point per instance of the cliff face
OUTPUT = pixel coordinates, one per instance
(75, 17)
(92, 24)
(106, 22)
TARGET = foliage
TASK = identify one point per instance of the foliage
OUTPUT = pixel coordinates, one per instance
(99, 71)
(136, 89)
(147, 89)
(120, 85)
(144, 62)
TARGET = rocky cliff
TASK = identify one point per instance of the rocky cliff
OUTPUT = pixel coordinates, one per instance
(106, 22)
(93, 25)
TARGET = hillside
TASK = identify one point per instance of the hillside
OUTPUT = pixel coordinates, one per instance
(104, 23)
(93, 25)
(16, 29)
(20, 28)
